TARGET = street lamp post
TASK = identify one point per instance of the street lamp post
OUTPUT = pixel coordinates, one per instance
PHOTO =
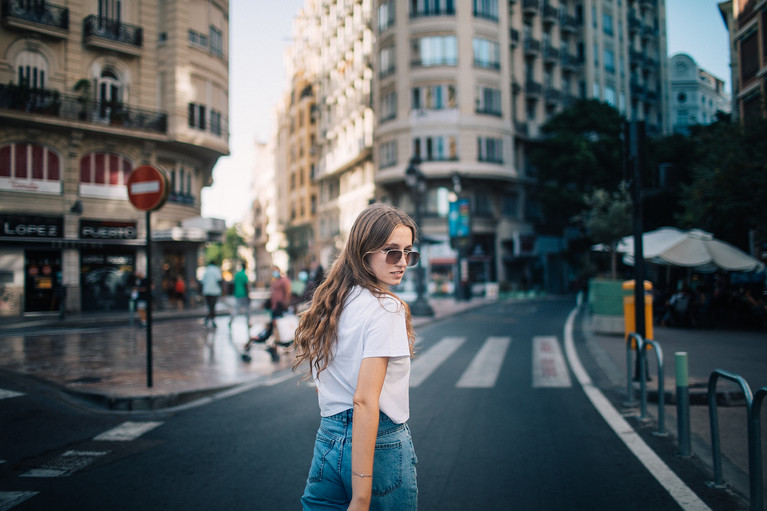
(416, 181)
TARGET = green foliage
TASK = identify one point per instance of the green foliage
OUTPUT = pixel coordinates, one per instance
(728, 191)
(581, 152)
(219, 252)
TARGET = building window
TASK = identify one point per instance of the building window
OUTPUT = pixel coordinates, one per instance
(490, 149)
(609, 61)
(30, 168)
(488, 100)
(435, 148)
(433, 97)
(104, 175)
(386, 61)
(510, 205)
(435, 51)
(215, 122)
(216, 42)
(389, 106)
(385, 15)
(486, 53)
(610, 96)
(431, 7)
(196, 117)
(31, 69)
(487, 9)
(388, 154)
(607, 23)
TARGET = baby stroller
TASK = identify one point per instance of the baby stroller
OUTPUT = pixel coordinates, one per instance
(279, 332)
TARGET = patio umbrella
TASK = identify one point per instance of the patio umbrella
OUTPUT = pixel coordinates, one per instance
(690, 249)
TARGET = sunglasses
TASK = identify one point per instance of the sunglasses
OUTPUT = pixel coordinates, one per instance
(394, 256)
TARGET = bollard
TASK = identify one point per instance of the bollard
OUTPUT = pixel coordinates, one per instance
(682, 404)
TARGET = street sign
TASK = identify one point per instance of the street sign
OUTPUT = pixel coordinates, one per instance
(147, 188)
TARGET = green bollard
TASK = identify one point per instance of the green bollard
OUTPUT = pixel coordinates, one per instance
(682, 403)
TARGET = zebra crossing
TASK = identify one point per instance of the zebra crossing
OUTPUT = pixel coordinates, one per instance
(70, 461)
(549, 366)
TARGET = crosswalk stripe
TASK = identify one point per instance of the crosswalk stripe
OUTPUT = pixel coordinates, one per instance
(483, 371)
(126, 431)
(65, 464)
(11, 499)
(549, 368)
(5, 394)
(428, 361)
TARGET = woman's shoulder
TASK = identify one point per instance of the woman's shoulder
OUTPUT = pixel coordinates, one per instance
(363, 298)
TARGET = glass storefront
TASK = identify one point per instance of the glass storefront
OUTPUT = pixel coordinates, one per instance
(105, 279)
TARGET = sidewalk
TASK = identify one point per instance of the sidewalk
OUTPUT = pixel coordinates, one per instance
(740, 352)
(102, 358)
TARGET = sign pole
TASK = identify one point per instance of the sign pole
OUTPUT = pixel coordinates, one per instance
(148, 190)
(149, 299)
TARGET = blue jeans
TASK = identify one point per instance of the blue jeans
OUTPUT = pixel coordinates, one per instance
(329, 485)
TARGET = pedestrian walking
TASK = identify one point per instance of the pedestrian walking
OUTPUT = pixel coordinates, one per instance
(141, 292)
(241, 293)
(211, 290)
(357, 339)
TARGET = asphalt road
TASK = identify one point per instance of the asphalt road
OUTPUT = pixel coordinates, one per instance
(498, 421)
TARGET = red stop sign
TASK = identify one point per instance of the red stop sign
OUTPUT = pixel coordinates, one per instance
(147, 188)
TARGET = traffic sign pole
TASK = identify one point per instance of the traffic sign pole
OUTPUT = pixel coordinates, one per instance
(148, 190)
(149, 299)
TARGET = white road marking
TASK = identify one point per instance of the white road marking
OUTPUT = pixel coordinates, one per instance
(5, 394)
(483, 371)
(549, 368)
(684, 496)
(65, 464)
(427, 362)
(11, 499)
(127, 431)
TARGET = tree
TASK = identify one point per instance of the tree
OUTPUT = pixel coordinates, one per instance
(580, 152)
(728, 192)
(608, 219)
(227, 251)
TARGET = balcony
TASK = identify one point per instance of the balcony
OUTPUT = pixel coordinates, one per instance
(531, 7)
(76, 108)
(570, 62)
(533, 88)
(552, 95)
(550, 54)
(112, 35)
(521, 128)
(550, 13)
(42, 18)
(568, 23)
(532, 47)
(514, 37)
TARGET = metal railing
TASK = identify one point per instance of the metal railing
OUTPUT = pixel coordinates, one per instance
(38, 12)
(753, 408)
(641, 348)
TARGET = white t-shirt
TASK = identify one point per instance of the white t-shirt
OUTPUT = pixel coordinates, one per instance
(368, 327)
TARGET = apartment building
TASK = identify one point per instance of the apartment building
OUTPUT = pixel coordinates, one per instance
(697, 96)
(465, 85)
(90, 90)
(746, 22)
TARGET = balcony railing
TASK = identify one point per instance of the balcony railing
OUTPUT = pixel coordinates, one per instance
(53, 103)
(97, 31)
(532, 46)
(25, 14)
(533, 88)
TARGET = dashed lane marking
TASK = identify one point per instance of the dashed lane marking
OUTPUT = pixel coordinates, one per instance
(485, 367)
(549, 368)
(432, 358)
(11, 499)
(5, 394)
(127, 431)
(684, 496)
(65, 464)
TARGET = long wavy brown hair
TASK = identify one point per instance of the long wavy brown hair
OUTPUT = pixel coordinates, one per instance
(317, 332)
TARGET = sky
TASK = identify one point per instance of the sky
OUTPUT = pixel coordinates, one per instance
(260, 32)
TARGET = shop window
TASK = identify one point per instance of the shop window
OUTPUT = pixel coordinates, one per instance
(104, 175)
(30, 168)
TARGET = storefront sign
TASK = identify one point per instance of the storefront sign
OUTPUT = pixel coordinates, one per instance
(24, 226)
(108, 230)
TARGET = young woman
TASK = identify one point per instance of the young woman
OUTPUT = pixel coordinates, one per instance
(357, 339)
